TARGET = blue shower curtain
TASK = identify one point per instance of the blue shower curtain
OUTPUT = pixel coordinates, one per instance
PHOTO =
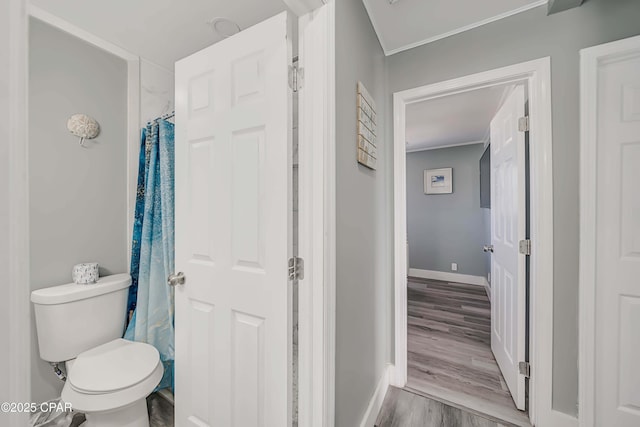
(152, 256)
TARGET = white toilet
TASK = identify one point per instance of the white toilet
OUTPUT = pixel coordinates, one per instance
(108, 378)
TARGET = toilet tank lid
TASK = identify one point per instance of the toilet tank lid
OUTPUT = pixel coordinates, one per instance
(74, 292)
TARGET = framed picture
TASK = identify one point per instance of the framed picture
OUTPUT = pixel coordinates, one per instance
(438, 181)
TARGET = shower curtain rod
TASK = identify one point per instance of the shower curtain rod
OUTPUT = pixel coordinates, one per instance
(164, 117)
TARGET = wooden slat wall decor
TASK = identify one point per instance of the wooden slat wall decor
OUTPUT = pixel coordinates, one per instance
(366, 142)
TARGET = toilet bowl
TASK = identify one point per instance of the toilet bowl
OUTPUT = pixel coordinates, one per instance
(110, 383)
(108, 378)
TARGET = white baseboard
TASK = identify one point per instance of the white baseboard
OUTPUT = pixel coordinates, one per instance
(487, 288)
(449, 277)
(370, 415)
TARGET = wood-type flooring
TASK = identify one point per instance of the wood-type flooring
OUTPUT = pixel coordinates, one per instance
(449, 349)
(402, 408)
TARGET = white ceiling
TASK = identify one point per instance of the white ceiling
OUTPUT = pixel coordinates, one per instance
(410, 23)
(452, 120)
(161, 31)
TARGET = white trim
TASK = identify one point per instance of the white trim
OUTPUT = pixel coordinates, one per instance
(449, 277)
(459, 144)
(590, 58)
(133, 146)
(375, 404)
(389, 52)
(468, 27)
(537, 74)
(316, 216)
(487, 288)
(329, 207)
(133, 104)
(587, 251)
(400, 246)
(19, 346)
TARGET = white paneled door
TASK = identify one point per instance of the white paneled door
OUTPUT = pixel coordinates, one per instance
(617, 262)
(508, 227)
(233, 231)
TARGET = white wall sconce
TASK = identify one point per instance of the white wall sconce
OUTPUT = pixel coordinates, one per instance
(83, 126)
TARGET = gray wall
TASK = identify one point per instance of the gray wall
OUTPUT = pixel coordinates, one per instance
(363, 258)
(519, 38)
(446, 228)
(77, 195)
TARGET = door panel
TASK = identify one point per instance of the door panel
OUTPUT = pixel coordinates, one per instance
(508, 220)
(233, 230)
(617, 320)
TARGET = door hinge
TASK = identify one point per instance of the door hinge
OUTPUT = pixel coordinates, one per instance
(525, 247)
(525, 369)
(296, 268)
(523, 124)
(296, 77)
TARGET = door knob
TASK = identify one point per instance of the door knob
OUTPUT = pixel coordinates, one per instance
(488, 248)
(176, 279)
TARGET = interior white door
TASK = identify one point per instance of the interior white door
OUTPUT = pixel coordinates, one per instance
(617, 298)
(233, 231)
(508, 227)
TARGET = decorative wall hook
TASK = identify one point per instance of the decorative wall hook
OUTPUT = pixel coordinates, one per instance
(83, 126)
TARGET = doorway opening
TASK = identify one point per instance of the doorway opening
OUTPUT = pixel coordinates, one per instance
(147, 93)
(486, 348)
(450, 219)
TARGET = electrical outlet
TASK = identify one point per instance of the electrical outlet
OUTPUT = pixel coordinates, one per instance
(489, 277)
(454, 266)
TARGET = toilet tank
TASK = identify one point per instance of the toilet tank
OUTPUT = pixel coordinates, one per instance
(73, 318)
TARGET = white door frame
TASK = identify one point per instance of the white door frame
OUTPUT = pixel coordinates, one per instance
(317, 218)
(537, 75)
(317, 211)
(590, 58)
(18, 353)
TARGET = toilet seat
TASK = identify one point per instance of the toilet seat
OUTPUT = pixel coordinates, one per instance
(116, 365)
(84, 388)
